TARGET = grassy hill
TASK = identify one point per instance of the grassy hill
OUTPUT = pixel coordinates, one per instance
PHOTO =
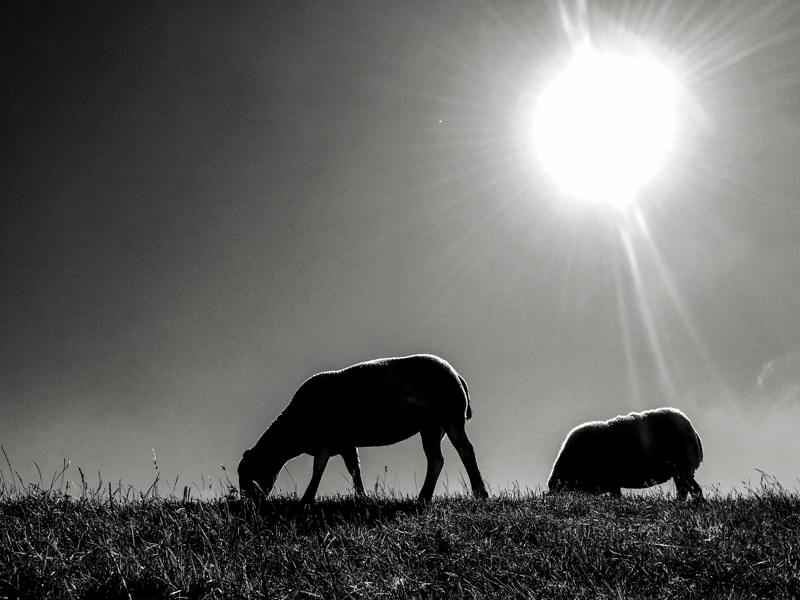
(118, 544)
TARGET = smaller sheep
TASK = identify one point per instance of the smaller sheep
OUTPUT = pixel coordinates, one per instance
(638, 450)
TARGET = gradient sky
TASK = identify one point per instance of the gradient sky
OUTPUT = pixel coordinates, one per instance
(204, 204)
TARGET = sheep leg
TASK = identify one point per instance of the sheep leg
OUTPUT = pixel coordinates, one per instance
(697, 491)
(686, 484)
(320, 461)
(681, 488)
(458, 437)
(432, 445)
(353, 465)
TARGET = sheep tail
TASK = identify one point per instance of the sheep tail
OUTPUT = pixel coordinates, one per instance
(699, 445)
(466, 393)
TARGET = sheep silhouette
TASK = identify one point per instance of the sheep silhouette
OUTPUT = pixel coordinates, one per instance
(374, 403)
(637, 450)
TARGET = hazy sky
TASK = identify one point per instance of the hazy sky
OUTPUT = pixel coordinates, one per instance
(204, 204)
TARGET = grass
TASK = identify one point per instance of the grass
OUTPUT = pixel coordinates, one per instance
(118, 543)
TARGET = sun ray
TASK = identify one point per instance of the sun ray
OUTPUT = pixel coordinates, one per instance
(674, 295)
(627, 338)
(651, 327)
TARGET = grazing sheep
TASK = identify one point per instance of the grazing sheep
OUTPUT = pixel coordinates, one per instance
(631, 451)
(374, 403)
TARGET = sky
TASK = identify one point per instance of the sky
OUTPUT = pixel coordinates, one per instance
(204, 204)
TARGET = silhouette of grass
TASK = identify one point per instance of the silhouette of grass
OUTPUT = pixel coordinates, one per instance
(119, 543)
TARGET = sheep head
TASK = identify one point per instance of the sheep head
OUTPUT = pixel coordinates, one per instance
(257, 475)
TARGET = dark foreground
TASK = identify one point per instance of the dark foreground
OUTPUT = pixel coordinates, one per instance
(512, 546)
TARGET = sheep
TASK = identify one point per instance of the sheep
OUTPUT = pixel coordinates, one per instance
(637, 450)
(374, 403)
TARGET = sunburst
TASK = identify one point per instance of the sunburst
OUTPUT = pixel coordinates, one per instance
(604, 125)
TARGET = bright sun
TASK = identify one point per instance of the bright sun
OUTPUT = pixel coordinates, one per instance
(605, 124)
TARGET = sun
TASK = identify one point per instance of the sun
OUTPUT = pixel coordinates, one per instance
(605, 124)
